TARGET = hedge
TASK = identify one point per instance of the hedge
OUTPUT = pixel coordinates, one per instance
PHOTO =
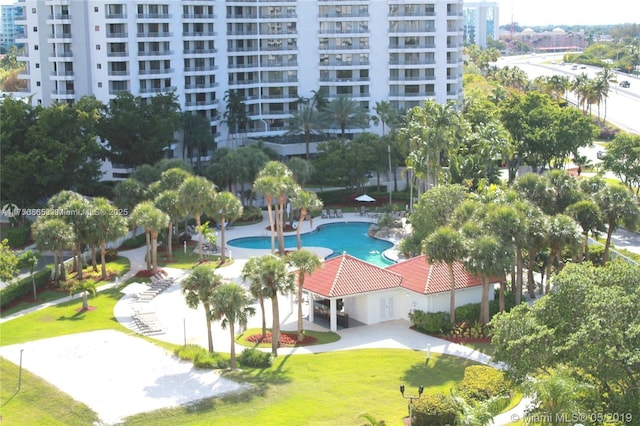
(17, 236)
(24, 286)
(434, 410)
(430, 322)
(481, 382)
(255, 358)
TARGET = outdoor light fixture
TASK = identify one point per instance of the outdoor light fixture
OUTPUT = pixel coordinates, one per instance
(411, 398)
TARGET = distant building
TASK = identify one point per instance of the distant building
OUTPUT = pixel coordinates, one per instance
(9, 31)
(556, 40)
(480, 22)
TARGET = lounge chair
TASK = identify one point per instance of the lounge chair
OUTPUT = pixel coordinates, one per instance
(324, 214)
(338, 212)
(332, 213)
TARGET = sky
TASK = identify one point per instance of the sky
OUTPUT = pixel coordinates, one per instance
(568, 12)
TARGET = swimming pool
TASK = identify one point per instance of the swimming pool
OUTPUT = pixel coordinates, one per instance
(351, 237)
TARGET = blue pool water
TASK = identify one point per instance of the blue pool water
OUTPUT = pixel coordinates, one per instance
(339, 237)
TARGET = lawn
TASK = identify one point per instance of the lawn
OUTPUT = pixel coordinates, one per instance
(331, 388)
(182, 260)
(485, 348)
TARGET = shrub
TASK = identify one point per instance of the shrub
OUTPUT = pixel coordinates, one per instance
(200, 357)
(481, 382)
(434, 410)
(431, 322)
(111, 255)
(251, 214)
(468, 313)
(131, 243)
(255, 358)
(17, 236)
(596, 254)
(23, 287)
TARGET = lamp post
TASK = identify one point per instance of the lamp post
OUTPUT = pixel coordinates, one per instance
(411, 398)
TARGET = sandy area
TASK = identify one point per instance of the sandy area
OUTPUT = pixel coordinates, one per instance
(132, 375)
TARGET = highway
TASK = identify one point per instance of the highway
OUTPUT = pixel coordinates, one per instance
(623, 104)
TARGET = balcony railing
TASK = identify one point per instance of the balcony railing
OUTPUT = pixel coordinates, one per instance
(59, 16)
(155, 52)
(153, 16)
(198, 16)
(62, 73)
(61, 35)
(118, 73)
(156, 71)
(117, 35)
(200, 86)
(199, 51)
(200, 69)
(154, 34)
(115, 16)
(199, 34)
(117, 54)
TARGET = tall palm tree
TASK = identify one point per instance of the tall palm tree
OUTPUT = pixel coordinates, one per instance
(226, 208)
(578, 84)
(587, 214)
(386, 113)
(86, 287)
(304, 201)
(198, 288)
(80, 221)
(562, 233)
(617, 205)
(305, 263)
(230, 304)
(53, 233)
(153, 220)
(169, 202)
(251, 272)
(307, 120)
(343, 113)
(128, 193)
(446, 246)
(607, 76)
(108, 226)
(235, 116)
(276, 280)
(196, 196)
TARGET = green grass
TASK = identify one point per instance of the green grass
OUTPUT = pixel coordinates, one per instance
(322, 336)
(331, 388)
(43, 297)
(180, 260)
(485, 348)
(37, 402)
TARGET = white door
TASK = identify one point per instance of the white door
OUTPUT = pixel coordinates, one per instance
(386, 308)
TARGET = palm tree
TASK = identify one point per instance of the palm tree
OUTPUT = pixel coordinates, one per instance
(343, 113)
(305, 263)
(226, 207)
(607, 76)
(235, 116)
(80, 221)
(251, 272)
(275, 181)
(587, 214)
(128, 193)
(307, 120)
(85, 287)
(578, 85)
(198, 288)
(169, 202)
(276, 280)
(153, 220)
(386, 113)
(231, 304)
(196, 196)
(446, 245)
(53, 233)
(29, 259)
(304, 201)
(562, 233)
(108, 226)
(617, 205)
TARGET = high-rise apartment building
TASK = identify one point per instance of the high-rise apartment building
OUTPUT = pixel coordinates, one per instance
(270, 51)
(9, 31)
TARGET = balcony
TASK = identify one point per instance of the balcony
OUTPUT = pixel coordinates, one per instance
(418, 61)
(62, 55)
(117, 35)
(118, 73)
(148, 34)
(117, 54)
(155, 53)
(199, 34)
(199, 51)
(412, 78)
(200, 69)
(153, 16)
(198, 16)
(116, 91)
(338, 63)
(281, 15)
(413, 46)
(336, 14)
(59, 17)
(157, 90)
(200, 86)
(210, 102)
(420, 94)
(62, 73)
(63, 36)
(156, 71)
(115, 16)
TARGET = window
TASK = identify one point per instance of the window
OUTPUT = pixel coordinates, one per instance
(95, 9)
(35, 29)
(33, 10)
(37, 83)
(35, 47)
(97, 28)
(37, 66)
(99, 84)
(99, 66)
(97, 47)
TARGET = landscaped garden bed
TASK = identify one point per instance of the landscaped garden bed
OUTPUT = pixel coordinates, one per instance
(286, 339)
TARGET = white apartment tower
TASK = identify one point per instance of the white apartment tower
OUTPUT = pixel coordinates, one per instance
(271, 51)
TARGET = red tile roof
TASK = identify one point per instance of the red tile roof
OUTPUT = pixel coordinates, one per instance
(424, 278)
(346, 275)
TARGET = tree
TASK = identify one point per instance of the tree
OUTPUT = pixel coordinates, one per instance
(147, 215)
(197, 195)
(28, 259)
(386, 114)
(606, 76)
(230, 304)
(53, 233)
(275, 182)
(198, 288)
(251, 272)
(305, 263)
(169, 202)
(196, 136)
(302, 170)
(578, 85)
(8, 262)
(344, 113)
(307, 121)
(304, 201)
(86, 287)
(137, 130)
(79, 218)
(617, 206)
(108, 225)
(591, 315)
(226, 208)
(235, 116)
(446, 245)
(128, 194)
(562, 233)
(587, 214)
(623, 159)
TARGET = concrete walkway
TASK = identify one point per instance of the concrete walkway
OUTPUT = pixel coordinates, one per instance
(183, 325)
